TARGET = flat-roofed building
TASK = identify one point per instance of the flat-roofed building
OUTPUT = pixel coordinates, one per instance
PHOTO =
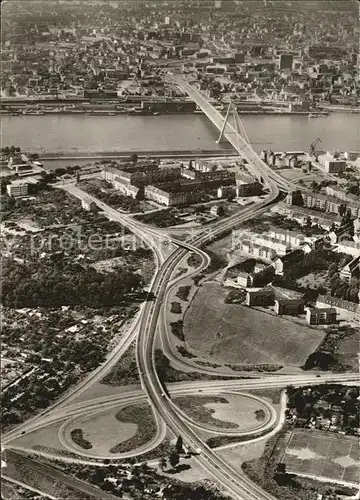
(290, 307)
(332, 164)
(342, 307)
(246, 185)
(321, 315)
(18, 188)
(260, 297)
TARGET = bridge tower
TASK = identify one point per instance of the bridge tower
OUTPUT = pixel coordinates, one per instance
(237, 125)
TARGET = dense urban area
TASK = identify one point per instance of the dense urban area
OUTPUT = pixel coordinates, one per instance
(180, 324)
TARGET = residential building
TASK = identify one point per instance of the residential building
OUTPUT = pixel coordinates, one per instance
(291, 238)
(344, 308)
(226, 192)
(284, 262)
(289, 306)
(332, 164)
(301, 215)
(286, 61)
(249, 247)
(357, 230)
(349, 247)
(141, 175)
(321, 316)
(217, 210)
(88, 205)
(244, 279)
(260, 297)
(20, 164)
(169, 197)
(351, 270)
(128, 189)
(246, 185)
(213, 175)
(262, 252)
(321, 202)
(18, 188)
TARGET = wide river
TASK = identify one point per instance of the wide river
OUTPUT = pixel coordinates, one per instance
(80, 133)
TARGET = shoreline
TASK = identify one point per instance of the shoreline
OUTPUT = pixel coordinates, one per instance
(328, 109)
(116, 114)
(109, 155)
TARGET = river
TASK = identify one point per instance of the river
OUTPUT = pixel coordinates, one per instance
(81, 133)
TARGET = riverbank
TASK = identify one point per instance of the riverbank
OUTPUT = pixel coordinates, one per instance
(99, 112)
(101, 155)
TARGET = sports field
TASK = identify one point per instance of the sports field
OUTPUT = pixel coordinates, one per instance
(234, 333)
(323, 454)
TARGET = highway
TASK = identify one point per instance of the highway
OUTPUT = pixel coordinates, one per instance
(238, 486)
(245, 150)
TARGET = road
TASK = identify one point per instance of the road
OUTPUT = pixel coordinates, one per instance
(27, 487)
(176, 389)
(237, 485)
(245, 150)
(57, 475)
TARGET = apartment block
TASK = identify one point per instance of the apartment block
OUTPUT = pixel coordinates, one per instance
(17, 189)
(262, 297)
(291, 307)
(321, 316)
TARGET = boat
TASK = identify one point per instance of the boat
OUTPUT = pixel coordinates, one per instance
(316, 115)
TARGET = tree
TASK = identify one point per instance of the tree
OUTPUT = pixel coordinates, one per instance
(308, 223)
(315, 187)
(342, 210)
(174, 459)
(162, 463)
(77, 177)
(346, 218)
(134, 158)
(179, 445)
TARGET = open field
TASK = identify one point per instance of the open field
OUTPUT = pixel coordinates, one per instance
(348, 351)
(323, 454)
(230, 411)
(292, 174)
(237, 334)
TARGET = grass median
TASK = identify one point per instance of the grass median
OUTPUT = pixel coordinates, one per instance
(141, 415)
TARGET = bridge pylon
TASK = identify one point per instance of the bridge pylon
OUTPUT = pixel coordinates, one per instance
(237, 124)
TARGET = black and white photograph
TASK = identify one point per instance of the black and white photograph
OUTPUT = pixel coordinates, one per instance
(180, 249)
